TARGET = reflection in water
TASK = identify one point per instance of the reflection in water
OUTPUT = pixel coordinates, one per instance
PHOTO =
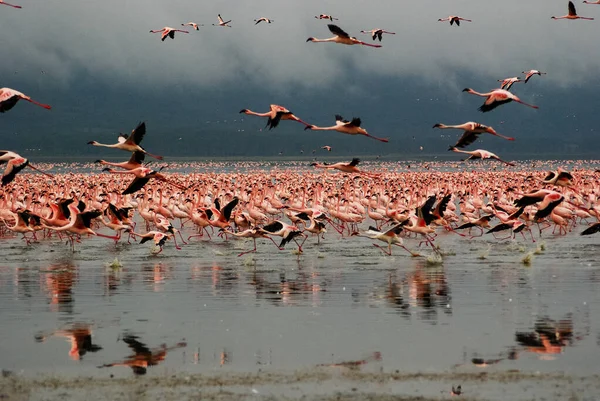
(80, 336)
(286, 291)
(156, 275)
(548, 336)
(375, 356)
(143, 357)
(59, 280)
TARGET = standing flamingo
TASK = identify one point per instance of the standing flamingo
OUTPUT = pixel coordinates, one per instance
(221, 22)
(2, 2)
(530, 73)
(377, 33)
(341, 37)
(130, 143)
(572, 14)
(276, 114)
(14, 164)
(472, 131)
(454, 19)
(496, 98)
(167, 31)
(9, 98)
(346, 127)
(480, 154)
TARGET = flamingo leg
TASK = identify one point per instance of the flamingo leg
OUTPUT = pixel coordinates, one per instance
(250, 251)
(389, 253)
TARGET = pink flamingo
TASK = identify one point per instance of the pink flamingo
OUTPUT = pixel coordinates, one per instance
(167, 31)
(9, 98)
(346, 127)
(572, 14)
(340, 37)
(275, 114)
(496, 98)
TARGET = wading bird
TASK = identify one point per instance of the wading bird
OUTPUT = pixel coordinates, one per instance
(472, 132)
(531, 73)
(325, 16)
(193, 25)
(159, 238)
(285, 231)
(454, 19)
(14, 164)
(221, 22)
(340, 37)
(130, 143)
(480, 154)
(9, 98)
(261, 19)
(572, 14)
(167, 32)
(276, 114)
(389, 236)
(508, 82)
(377, 33)
(346, 127)
(496, 98)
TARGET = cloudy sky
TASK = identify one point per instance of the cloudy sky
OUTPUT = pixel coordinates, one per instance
(98, 65)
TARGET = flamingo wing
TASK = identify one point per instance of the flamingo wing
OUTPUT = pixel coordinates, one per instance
(340, 119)
(137, 184)
(355, 122)
(572, 10)
(354, 162)
(424, 212)
(393, 230)
(551, 175)
(8, 103)
(229, 207)
(273, 227)
(565, 175)
(138, 133)
(137, 347)
(336, 30)
(467, 138)
(86, 218)
(13, 167)
(593, 229)
(492, 103)
(137, 157)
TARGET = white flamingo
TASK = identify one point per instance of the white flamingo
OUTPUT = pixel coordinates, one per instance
(340, 37)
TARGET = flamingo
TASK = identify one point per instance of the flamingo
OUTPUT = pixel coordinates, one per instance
(158, 237)
(142, 176)
(530, 73)
(276, 114)
(559, 178)
(341, 37)
(2, 2)
(508, 82)
(286, 231)
(343, 167)
(591, 2)
(377, 33)
(454, 19)
(389, 236)
(346, 127)
(572, 14)
(472, 131)
(325, 16)
(130, 143)
(14, 164)
(253, 233)
(167, 31)
(480, 154)
(221, 22)
(261, 19)
(326, 147)
(9, 98)
(134, 161)
(193, 25)
(496, 98)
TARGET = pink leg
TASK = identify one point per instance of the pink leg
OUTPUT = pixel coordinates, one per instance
(253, 250)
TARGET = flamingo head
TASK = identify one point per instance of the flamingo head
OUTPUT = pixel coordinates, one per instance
(437, 125)
(92, 142)
(243, 111)
(308, 127)
(98, 161)
(467, 90)
(552, 17)
(107, 169)
(311, 39)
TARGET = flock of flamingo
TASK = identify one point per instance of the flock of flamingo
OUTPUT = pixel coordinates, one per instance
(293, 205)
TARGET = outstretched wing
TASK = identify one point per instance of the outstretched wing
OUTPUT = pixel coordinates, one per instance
(138, 133)
(354, 162)
(137, 347)
(467, 138)
(551, 175)
(273, 227)
(336, 30)
(339, 118)
(572, 10)
(137, 157)
(229, 207)
(137, 184)
(593, 229)
(424, 211)
(355, 122)
(12, 168)
(87, 217)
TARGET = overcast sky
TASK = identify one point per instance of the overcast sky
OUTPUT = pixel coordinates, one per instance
(109, 41)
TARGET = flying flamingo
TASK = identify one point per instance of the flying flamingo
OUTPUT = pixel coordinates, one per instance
(2, 2)
(572, 14)
(130, 143)
(508, 82)
(496, 98)
(253, 233)
(134, 161)
(142, 176)
(158, 238)
(591, 2)
(377, 33)
(454, 19)
(261, 19)
(343, 167)
(472, 131)
(14, 164)
(341, 37)
(167, 31)
(193, 25)
(530, 73)
(285, 231)
(346, 127)
(325, 16)
(326, 147)
(276, 114)
(10, 97)
(389, 236)
(480, 154)
(221, 22)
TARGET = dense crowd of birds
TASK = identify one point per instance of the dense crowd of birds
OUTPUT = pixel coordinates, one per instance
(256, 205)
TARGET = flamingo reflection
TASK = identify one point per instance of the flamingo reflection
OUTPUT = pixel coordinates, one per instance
(80, 336)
